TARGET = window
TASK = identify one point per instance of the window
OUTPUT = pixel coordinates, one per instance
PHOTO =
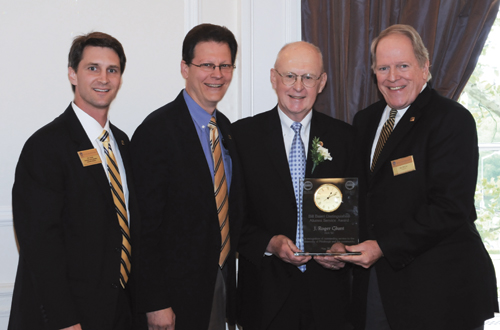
(482, 97)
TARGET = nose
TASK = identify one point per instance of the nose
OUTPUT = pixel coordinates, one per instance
(103, 77)
(393, 74)
(217, 72)
(298, 85)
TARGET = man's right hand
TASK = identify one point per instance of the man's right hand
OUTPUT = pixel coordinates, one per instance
(284, 248)
(163, 319)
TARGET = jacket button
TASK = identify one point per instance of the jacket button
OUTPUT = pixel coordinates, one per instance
(114, 285)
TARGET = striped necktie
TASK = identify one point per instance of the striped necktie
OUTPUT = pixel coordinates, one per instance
(297, 164)
(115, 184)
(220, 190)
(384, 135)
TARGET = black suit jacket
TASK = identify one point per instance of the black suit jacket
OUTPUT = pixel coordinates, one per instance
(180, 225)
(435, 273)
(68, 231)
(265, 282)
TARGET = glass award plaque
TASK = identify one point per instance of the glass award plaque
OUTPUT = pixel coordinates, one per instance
(329, 214)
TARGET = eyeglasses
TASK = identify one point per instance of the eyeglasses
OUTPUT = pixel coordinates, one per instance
(308, 80)
(210, 67)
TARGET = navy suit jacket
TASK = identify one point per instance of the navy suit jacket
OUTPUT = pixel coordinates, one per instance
(265, 282)
(435, 273)
(180, 223)
(68, 231)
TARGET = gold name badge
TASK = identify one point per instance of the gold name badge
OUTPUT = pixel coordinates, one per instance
(403, 165)
(89, 157)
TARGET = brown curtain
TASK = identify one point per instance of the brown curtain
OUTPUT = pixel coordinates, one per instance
(454, 32)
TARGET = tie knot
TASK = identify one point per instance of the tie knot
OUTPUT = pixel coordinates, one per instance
(393, 113)
(212, 124)
(104, 136)
(296, 126)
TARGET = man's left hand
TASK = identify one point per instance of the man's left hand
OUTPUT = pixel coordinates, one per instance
(332, 262)
(370, 253)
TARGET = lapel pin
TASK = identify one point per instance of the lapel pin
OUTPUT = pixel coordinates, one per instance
(412, 119)
(229, 137)
(123, 143)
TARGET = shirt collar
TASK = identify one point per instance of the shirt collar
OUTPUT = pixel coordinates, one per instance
(90, 125)
(200, 117)
(286, 122)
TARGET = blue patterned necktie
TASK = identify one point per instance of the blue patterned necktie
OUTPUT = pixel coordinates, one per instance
(297, 163)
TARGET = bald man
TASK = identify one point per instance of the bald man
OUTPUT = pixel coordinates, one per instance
(277, 289)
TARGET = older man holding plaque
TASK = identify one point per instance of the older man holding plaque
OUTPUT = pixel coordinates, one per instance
(279, 290)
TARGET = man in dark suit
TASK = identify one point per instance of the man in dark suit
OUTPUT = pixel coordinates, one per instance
(424, 264)
(75, 241)
(277, 289)
(188, 182)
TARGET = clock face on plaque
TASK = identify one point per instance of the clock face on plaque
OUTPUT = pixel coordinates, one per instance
(328, 197)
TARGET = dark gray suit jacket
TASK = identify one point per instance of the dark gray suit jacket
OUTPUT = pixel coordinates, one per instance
(180, 225)
(68, 231)
(435, 273)
(265, 282)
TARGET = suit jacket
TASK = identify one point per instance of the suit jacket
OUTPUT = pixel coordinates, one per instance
(68, 231)
(435, 273)
(180, 223)
(266, 281)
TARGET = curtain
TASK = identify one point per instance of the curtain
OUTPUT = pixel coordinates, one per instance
(454, 32)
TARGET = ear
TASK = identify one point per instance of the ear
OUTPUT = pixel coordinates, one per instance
(274, 78)
(184, 69)
(72, 76)
(322, 82)
(425, 70)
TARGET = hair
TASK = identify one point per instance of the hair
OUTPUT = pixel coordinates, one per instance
(95, 39)
(316, 48)
(419, 49)
(208, 32)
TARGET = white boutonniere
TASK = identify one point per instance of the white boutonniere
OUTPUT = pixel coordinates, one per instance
(319, 153)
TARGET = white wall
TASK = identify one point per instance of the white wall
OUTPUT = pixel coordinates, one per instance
(35, 37)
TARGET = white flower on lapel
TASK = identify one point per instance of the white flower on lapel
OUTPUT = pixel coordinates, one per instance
(319, 153)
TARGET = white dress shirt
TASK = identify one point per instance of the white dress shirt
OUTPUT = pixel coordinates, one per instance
(93, 130)
(289, 133)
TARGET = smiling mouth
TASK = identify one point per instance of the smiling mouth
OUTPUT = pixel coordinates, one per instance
(297, 97)
(215, 85)
(396, 88)
(101, 90)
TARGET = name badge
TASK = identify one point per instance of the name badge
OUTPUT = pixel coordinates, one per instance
(89, 157)
(403, 165)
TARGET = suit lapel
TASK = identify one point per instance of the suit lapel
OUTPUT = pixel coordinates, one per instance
(317, 130)
(275, 149)
(183, 125)
(82, 142)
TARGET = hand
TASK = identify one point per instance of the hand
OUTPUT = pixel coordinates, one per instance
(163, 319)
(370, 253)
(74, 327)
(332, 262)
(283, 247)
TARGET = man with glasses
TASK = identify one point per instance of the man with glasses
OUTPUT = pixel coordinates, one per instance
(188, 182)
(279, 290)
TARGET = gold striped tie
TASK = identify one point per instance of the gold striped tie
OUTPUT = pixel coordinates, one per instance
(220, 189)
(115, 184)
(384, 135)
